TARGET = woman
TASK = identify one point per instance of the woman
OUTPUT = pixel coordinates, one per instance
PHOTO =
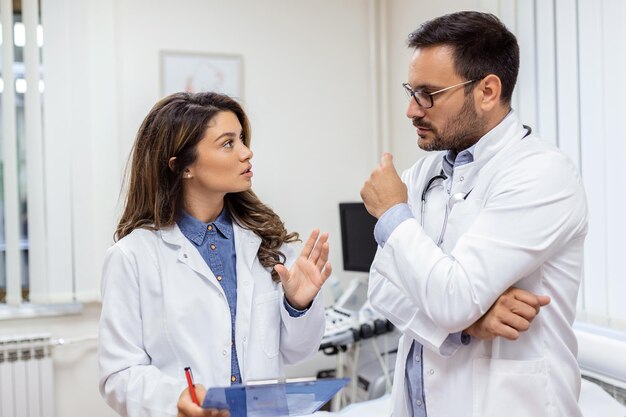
(196, 277)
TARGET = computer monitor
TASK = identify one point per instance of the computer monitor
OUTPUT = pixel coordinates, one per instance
(357, 237)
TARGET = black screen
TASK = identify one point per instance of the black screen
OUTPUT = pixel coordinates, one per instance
(357, 237)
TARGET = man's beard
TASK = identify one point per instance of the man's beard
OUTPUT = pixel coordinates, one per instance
(459, 133)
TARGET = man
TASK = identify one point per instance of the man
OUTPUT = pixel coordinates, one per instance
(497, 208)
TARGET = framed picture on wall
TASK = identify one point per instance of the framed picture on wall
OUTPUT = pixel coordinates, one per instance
(195, 72)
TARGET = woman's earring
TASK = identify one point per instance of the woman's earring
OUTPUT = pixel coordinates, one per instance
(187, 175)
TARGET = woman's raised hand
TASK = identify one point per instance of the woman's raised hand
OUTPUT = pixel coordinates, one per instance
(307, 275)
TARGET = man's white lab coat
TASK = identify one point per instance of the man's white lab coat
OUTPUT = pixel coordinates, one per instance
(523, 224)
(164, 310)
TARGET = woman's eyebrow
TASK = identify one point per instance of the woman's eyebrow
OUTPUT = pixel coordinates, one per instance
(227, 134)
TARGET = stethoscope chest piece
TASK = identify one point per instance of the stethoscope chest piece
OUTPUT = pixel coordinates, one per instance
(456, 198)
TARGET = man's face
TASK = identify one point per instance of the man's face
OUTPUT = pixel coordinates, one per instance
(452, 122)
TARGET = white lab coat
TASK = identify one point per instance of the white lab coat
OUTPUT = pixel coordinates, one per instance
(523, 225)
(163, 310)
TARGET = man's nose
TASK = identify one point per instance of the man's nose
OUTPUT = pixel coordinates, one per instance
(414, 110)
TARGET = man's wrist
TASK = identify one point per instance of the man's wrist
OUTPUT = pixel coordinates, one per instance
(388, 222)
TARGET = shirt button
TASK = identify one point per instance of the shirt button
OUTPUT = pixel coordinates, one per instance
(185, 255)
(224, 352)
(212, 247)
(233, 378)
(209, 227)
(461, 178)
(417, 359)
(244, 339)
(419, 403)
(432, 371)
(219, 277)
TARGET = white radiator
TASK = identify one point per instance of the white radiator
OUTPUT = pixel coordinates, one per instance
(26, 379)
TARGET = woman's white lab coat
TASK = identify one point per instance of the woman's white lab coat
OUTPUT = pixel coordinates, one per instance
(163, 310)
(523, 224)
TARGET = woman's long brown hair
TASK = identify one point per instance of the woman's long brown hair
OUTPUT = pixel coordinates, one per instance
(154, 195)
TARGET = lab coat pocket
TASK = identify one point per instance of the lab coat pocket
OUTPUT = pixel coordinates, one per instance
(267, 308)
(512, 388)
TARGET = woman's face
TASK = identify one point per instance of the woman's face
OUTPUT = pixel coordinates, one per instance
(223, 161)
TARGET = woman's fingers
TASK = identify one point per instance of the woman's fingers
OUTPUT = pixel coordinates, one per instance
(316, 253)
(317, 250)
(310, 243)
(282, 271)
(323, 258)
(328, 269)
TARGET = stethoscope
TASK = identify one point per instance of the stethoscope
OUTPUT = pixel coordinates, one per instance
(454, 198)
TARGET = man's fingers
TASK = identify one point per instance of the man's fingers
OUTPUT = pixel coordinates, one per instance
(522, 309)
(386, 159)
(532, 300)
(492, 328)
(516, 321)
(525, 297)
(529, 297)
(505, 331)
(544, 300)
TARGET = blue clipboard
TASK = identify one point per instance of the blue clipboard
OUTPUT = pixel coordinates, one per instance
(274, 400)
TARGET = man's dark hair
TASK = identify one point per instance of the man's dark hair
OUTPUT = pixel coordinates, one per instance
(481, 45)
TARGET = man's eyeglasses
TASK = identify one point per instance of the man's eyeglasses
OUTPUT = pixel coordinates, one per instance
(424, 99)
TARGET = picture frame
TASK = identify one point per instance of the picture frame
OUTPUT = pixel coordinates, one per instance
(194, 72)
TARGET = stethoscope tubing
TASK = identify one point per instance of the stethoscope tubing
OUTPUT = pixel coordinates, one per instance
(442, 176)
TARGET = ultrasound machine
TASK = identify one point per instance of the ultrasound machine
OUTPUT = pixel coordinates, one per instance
(354, 330)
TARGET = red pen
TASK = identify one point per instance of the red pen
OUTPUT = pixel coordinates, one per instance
(192, 389)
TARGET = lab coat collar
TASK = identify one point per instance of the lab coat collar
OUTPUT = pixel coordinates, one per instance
(187, 253)
(246, 246)
(507, 132)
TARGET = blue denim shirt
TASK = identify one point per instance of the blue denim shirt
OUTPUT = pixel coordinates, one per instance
(216, 244)
(383, 229)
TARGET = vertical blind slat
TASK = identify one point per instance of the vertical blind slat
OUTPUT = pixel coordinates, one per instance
(527, 81)
(593, 143)
(508, 15)
(614, 106)
(34, 156)
(59, 61)
(546, 70)
(9, 154)
(567, 79)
